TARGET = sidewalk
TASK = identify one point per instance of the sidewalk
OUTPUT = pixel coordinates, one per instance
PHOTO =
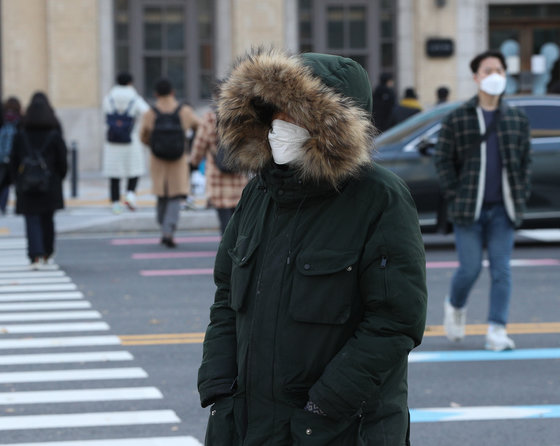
(90, 211)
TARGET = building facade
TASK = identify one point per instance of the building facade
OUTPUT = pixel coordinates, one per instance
(73, 49)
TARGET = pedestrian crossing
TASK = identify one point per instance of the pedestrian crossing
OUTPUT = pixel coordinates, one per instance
(55, 353)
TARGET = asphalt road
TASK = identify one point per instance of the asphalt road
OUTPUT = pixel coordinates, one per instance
(146, 307)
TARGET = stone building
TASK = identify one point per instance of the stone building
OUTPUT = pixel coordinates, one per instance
(72, 49)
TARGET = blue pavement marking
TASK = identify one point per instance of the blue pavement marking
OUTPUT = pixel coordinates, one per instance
(484, 355)
(440, 414)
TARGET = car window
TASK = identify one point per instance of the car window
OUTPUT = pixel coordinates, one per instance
(410, 126)
(544, 118)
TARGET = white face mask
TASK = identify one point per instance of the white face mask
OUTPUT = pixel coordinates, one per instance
(286, 140)
(494, 84)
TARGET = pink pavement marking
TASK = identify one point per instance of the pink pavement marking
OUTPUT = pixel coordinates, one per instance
(155, 240)
(514, 262)
(173, 255)
(176, 272)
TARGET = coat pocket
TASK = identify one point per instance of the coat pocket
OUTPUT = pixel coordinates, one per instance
(243, 264)
(325, 282)
(309, 429)
(221, 430)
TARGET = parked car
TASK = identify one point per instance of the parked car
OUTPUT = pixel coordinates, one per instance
(407, 150)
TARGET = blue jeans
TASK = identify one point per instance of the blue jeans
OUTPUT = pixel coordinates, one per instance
(39, 229)
(494, 230)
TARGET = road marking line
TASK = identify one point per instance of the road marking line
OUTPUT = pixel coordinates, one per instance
(76, 341)
(60, 358)
(24, 297)
(17, 261)
(54, 328)
(14, 252)
(79, 395)
(513, 328)
(140, 417)
(25, 267)
(47, 287)
(485, 263)
(35, 274)
(155, 241)
(440, 414)
(177, 272)
(431, 330)
(34, 280)
(45, 306)
(49, 315)
(13, 243)
(173, 255)
(543, 235)
(155, 441)
(483, 355)
(72, 375)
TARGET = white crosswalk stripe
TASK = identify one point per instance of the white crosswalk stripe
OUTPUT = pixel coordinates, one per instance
(31, 297)
(49, 315)
(34, 280)
(54, 328)
(78, 395)
(154, 441)
(44, 303)
(45, 306)
(61, 358)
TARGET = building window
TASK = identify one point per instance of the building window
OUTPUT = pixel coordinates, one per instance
(362, 30)
(167, 38)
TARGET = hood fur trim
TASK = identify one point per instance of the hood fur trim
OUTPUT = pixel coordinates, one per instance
(264, 82)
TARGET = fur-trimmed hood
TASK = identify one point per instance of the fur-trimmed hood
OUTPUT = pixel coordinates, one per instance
(328, 95)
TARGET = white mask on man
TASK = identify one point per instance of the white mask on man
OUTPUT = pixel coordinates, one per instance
(494, 84)
(286, 140)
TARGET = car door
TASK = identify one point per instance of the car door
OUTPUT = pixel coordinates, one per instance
(544, 201)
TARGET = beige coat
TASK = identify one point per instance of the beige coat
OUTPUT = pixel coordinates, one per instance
(169, 178)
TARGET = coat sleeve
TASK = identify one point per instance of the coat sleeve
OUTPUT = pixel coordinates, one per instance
(444, 159)
(392, 281)
(217, 373)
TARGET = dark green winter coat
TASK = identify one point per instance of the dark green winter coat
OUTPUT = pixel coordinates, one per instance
(320, 274)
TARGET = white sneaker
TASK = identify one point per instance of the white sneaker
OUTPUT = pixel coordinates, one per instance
(497, 338)
(130, 201)
(36, 264)
(454, 320)
(116, 208)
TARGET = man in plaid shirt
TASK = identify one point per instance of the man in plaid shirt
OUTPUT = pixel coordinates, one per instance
(482, 158)
(223, 189)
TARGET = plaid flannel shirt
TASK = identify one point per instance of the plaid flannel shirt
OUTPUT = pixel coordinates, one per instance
(222, 189)
(458, 163)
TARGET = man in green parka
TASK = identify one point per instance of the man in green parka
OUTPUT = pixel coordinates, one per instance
(320, 275)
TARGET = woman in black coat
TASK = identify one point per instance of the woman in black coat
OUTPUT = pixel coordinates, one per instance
(41, 132)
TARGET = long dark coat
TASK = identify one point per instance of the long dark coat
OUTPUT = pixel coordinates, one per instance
(55, 156)
(320, 275)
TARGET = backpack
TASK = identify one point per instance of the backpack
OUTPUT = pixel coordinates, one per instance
(168, 137)
(7, 132)
(120, 125)
(34, 174)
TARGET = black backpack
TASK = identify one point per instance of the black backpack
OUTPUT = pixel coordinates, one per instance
(120, 125)
(168, 137)
(34, 174)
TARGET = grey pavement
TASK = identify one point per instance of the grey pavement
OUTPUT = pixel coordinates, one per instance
(90, 211)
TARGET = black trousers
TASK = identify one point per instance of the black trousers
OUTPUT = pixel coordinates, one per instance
(115, 187)
(39, 229)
